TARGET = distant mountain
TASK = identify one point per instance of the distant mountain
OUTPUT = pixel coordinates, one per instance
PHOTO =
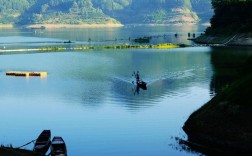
(158, 11)
(25, 12)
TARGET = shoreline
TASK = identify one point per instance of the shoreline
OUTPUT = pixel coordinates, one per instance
(167, 24)
(59, 26)
(106, 25)
(240, 39)
(6, 26)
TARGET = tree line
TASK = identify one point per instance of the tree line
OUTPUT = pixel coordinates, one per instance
(231, 17)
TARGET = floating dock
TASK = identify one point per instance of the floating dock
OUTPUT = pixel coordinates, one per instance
(26, 74)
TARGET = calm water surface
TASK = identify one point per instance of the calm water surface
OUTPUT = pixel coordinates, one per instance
(88, 97)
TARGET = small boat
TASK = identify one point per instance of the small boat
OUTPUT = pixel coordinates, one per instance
(43, 142)
(68, 41)
(142, 85)
(142, 40)
(42, 27)
(58, 147)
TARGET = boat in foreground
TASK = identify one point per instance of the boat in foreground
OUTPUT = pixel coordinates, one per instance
(58, 147)
(43, 142)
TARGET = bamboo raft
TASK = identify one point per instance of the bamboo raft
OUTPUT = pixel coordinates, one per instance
(26, 74)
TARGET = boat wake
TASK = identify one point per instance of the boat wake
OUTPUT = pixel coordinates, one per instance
(123, 80)
(171, 76)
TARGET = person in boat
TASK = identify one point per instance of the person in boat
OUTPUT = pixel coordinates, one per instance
(137, 77)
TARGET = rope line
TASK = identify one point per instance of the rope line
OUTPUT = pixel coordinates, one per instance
(27, 144)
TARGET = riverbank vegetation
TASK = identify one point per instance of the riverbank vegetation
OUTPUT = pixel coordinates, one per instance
(231, 24)
(98, 47)
(231, 17)
(122, 46)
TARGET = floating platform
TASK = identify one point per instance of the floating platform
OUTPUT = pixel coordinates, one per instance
(26, 74)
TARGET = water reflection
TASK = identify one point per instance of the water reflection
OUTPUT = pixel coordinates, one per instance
(99, 76)
(227, 65)
(159, 34)
(87, 96)
(164, 79)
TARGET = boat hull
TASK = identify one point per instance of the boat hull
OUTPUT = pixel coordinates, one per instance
(43, 142)
(58, 147)
(142, 85)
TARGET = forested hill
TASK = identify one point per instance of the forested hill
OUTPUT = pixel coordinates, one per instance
(24, 12)
(231, 17)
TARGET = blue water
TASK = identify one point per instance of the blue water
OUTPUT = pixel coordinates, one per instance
(88, 97)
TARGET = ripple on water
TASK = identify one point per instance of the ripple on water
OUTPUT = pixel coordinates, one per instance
(124, 92)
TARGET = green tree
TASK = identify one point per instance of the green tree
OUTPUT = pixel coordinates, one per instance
(74, 8)
(44, 8)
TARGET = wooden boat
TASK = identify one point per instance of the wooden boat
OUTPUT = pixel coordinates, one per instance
(58, 147)
(42, 27)
(142, 85)
(43, 142)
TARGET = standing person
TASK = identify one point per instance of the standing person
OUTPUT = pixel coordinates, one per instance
(137, 77)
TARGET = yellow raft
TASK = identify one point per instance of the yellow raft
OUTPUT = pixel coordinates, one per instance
(26, 74)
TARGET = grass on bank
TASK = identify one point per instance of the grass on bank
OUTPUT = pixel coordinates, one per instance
(123, 46)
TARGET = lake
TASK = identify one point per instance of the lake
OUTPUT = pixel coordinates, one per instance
(88, 97)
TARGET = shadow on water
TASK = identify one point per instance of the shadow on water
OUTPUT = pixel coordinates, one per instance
(199, 149)
(137, 89)
(227, 63)
(182, 145)
(130, 94)
(194, 148)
